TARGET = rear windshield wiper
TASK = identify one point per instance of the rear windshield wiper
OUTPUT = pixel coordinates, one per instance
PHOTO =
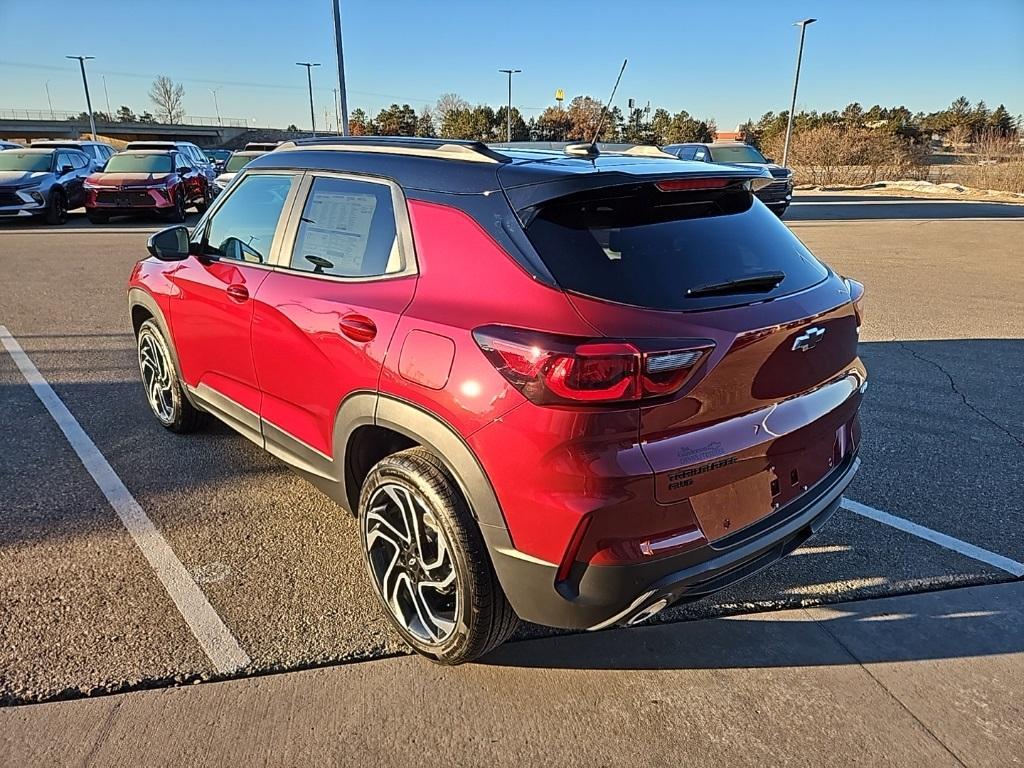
(759, 283)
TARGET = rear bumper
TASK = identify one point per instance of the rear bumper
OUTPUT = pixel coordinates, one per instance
(607, 595)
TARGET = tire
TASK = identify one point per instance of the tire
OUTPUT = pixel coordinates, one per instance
(57, 208)
(95, 217)
(177, 214)
(164, 391)
(457, 617)
(780, 210)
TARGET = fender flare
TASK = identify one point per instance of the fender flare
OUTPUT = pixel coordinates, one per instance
(405, 418)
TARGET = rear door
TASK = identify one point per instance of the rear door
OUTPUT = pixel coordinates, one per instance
(325, 317)
(211, 317)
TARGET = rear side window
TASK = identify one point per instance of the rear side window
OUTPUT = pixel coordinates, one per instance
(347, 229)
(640, 246)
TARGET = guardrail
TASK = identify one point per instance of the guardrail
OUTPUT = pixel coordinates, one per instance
(56, 114)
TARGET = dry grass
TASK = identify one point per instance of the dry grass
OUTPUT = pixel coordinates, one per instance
(829, 155)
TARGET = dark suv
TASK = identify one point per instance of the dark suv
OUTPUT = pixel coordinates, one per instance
(776, 196)
(518, 368)
(42, 182)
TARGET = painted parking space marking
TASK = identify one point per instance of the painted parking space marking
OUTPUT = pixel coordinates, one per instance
(213, 636)
(943, 540)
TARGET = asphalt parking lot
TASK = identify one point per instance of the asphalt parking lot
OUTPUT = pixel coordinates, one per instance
(936, 505)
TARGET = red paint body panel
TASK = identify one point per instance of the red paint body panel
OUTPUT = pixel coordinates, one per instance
(305, 364)
(426, 358)
(211, 330)
(467, 280)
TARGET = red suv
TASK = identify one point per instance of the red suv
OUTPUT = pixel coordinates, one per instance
(566, 386)
(146, 181)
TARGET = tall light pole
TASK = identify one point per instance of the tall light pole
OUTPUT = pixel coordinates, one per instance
(337, 115)
(216, 106)
(510, 72)
(85, 82)
(309, 77)
(48, 102)
(796, 81)
(343, 100)
(106, 95)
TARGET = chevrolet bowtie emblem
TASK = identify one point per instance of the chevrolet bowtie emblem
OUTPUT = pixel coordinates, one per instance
(808, 339)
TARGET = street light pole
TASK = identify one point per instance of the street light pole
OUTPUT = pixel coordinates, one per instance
(309, 77)
(106, 95)
(216, 106)
(85, 82)
(337, 115)
(49, 103)
(508, 114)
(343, 100)
(796, 81)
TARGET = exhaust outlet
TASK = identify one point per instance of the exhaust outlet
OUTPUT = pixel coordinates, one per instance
(643, 615)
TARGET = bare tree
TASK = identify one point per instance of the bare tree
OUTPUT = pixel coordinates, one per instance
(168, 97)
(448, 102)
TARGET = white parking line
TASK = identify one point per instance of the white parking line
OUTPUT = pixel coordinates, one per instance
(915, 201)
(949, 542)
(214, 637)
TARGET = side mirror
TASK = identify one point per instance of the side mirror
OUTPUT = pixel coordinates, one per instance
(66, 169)
(184, 169)
(769, 159)
(170, 244)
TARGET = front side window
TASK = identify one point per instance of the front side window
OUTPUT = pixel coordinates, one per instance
(243, 226)
(347, 229)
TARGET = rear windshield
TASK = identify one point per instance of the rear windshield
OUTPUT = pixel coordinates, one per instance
(129, 163)
(745, 154)
(238, 162)
(636, 245)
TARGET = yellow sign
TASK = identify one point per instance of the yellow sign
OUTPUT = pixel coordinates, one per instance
(559, 95)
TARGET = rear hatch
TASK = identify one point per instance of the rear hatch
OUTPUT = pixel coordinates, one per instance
(767, 412)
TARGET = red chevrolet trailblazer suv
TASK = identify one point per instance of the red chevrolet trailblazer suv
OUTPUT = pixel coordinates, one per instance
(567, 385)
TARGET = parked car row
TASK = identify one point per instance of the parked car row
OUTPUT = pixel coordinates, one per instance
(51, 177)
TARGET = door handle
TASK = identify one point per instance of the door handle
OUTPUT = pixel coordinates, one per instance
(358, 327)
(238, 292)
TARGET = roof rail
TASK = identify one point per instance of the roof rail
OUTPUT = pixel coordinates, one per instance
(584, 150)
(444, 149)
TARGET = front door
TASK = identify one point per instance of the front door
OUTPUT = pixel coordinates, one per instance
(324, 319)
(211, 317)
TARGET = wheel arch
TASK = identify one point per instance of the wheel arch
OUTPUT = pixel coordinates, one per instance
(141, 307)
(405, 425)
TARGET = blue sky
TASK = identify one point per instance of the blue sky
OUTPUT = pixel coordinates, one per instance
(727, 60)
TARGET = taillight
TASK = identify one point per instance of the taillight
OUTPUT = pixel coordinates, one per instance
(683, 185)
(551, 369)
(857, 297)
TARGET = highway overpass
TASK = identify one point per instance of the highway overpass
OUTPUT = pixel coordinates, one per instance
(13, 128)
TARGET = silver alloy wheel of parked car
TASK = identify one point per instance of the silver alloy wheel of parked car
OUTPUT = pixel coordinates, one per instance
(157, 372)
(411, 563)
